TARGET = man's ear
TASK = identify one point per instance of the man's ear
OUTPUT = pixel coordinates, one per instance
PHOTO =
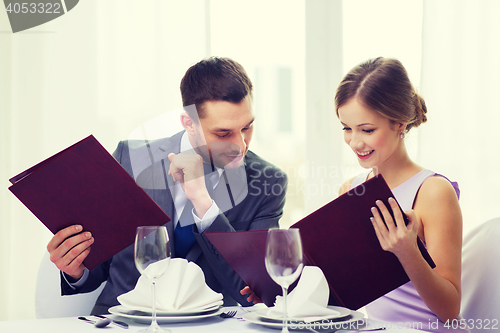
(187, 123)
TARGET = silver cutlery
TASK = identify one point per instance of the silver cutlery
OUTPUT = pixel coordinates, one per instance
(229, 314)
(114, 322)
(99, 324)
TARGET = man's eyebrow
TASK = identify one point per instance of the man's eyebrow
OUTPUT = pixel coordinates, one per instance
(250, 123)
(228, 130)
(221, 130)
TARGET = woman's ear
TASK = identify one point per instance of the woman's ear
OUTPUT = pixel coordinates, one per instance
(187, 123)
(402, 127)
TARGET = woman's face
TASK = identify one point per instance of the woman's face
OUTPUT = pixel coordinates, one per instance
(372, 137)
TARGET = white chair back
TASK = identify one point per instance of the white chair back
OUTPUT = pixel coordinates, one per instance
(481, 277)
(48, 300)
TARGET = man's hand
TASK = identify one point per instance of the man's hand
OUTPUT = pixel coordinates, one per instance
(251, 296)
(68, 248)
(187, 169)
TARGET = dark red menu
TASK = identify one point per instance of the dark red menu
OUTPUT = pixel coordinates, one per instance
(84, 184)
(338, 238)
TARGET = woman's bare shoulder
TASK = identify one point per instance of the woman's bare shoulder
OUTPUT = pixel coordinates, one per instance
(437, 188)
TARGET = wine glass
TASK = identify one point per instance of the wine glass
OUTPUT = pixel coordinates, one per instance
(151, 256)
(284, 261)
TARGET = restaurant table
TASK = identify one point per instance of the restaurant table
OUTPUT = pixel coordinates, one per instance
(207, 325)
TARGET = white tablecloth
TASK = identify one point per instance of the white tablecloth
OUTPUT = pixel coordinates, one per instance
(209, 325)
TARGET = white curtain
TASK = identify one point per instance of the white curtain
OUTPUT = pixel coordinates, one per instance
(103, 68)
(460, 84)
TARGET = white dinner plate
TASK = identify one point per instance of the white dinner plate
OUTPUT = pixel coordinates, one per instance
(342, 312)
(201, 310)
(354, 320)
(143, 311)
(145, 317)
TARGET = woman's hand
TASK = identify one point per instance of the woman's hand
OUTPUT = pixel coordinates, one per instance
(397, 238)
(252, 297)
(439, 214)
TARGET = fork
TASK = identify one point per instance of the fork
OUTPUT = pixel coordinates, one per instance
(229, 314)
(114, 322)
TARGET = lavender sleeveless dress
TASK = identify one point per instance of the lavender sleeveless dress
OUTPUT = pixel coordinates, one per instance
(403, 306)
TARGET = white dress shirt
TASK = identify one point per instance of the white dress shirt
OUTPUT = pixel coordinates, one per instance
(180, 198)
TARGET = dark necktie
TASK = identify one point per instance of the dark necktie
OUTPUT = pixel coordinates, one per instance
(184, 237)
(183, 233)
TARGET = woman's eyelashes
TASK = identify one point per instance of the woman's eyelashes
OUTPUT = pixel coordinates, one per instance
(367, 131)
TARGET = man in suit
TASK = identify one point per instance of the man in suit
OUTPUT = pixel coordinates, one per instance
(204, 178)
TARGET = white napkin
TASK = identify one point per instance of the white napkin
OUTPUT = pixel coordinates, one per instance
(308, 299)
(181, 288)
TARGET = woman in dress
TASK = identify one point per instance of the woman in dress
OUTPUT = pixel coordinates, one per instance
(377, 105)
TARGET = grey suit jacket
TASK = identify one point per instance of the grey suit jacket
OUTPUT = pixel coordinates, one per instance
(259, 208)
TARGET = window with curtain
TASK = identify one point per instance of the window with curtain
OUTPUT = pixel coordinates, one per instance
(103, 69)
(460, 71)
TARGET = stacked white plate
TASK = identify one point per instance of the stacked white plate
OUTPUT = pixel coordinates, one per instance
(345, 319)
(167, 317)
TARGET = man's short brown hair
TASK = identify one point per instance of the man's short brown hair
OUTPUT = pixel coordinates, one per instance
(214, 79)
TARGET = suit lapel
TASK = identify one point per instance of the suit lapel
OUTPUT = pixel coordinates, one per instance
(161, 149)
(159, 183)
(236, 184)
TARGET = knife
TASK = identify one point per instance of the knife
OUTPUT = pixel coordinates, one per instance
(116, 322)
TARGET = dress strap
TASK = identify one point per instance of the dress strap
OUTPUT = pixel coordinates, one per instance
(406, 193)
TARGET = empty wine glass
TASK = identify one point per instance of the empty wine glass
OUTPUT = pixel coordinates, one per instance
(151, 256)
(284, 261)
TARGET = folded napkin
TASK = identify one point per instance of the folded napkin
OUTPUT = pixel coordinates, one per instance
(308, 299)
(181, 288)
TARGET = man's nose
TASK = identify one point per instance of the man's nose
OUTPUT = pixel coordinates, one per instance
(239, 141)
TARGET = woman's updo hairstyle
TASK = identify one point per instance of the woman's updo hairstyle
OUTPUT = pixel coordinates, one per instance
(383, 85)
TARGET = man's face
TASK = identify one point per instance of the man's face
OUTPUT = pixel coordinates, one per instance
(225, 132)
